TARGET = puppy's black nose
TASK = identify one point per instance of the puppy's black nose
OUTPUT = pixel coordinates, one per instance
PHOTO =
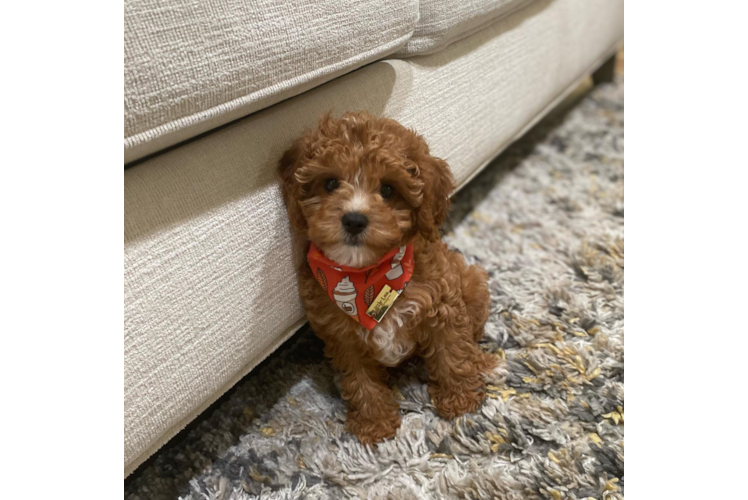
(355, 222)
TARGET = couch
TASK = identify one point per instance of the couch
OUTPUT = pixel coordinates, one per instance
(214, 93)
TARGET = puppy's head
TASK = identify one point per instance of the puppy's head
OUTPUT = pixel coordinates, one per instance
(358, 186)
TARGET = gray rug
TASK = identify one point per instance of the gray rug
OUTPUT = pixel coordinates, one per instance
(546, 221)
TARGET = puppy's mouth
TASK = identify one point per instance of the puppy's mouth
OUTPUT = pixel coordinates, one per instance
(353, 241)
(351, 251)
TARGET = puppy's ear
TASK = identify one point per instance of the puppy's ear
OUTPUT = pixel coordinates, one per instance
(290, 187)
(438, 184)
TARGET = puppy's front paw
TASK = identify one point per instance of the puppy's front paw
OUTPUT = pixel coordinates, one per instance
(452, 404)
(371, 428)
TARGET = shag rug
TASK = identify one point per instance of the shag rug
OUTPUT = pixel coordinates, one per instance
(546, 221)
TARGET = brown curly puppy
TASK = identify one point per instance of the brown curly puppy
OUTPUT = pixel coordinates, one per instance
(358, 187)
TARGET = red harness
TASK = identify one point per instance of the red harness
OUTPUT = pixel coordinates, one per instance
(364, 294)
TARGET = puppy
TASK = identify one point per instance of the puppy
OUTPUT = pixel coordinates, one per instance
(379, 285)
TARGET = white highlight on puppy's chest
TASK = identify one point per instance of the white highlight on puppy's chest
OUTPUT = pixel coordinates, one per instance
(389, 347)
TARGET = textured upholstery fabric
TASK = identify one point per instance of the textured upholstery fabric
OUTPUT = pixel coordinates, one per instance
(441, 23)
(210, 287)
(192, 66)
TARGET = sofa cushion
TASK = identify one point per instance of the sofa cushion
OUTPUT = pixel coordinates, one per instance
(443, 22)
(210, 284)
(192, 66)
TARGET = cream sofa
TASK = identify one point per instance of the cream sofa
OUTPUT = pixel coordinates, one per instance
(216, 90)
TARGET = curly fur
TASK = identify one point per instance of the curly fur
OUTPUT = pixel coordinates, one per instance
(439, 316)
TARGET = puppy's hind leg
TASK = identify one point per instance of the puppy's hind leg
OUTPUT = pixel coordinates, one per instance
(456, 366)
(477, 298)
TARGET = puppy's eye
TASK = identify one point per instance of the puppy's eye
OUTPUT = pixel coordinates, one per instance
(331, 185)
(387, 191)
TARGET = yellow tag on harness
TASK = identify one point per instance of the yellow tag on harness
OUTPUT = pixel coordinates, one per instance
(382, 303)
